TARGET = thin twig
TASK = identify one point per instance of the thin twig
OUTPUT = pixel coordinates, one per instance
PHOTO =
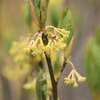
(54, 85)
(59, 74)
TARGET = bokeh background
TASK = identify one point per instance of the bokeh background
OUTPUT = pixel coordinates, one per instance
(86, 15)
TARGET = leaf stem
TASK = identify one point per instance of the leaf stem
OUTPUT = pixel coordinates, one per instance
(59, 74)
(54, 84)
(68, 62)
(49, 26)
(63, 67)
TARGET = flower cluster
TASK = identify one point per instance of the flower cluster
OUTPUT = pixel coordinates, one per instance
(36, 45)
(72, 77)
(23, 63)
(17, 51)
(56, 41)
(16, 73)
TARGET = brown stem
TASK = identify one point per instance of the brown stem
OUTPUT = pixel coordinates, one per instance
(59, 74)
(54, 85)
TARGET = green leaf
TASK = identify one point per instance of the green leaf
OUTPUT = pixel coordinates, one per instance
(92, 68)
(43, 12)
(41, 86)
(33, 13)
(37, 4)
(57, 65)
(27, 14)
(66, 22)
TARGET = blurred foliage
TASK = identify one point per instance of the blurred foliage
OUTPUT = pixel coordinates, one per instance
(27, 14)
(5, 45)
(93, 65)
(55, 16)
(53, 7)
(78, 18)
(41, 86)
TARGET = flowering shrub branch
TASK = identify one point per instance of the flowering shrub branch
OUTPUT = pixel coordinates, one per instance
(41, 45)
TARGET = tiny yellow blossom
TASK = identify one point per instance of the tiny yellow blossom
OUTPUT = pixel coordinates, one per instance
(34, 53)
(33, 47)
(72, 77)
(63, 46)
(80, 78)
(48, 47)
(13, 51)
(62, 32)
(56, 41)
(75, 85)
(55, 49)
(56, 44)
(41, 48)
(30, 85)
(27, 50)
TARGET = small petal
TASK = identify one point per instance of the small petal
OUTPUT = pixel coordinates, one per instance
(68, 82)
(27, 50)
(55, 49)
(73, 80)
(81, 79)
(75, 85)
(34, 53)
(32, 47)
(66, 79)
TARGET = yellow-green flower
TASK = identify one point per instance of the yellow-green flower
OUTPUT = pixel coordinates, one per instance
(30, 84)
(73, 76)
(48, 46)
(75, 85)
(27, 50)
(56, 41)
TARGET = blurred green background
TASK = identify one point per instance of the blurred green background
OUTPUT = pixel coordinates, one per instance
(14, 23)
